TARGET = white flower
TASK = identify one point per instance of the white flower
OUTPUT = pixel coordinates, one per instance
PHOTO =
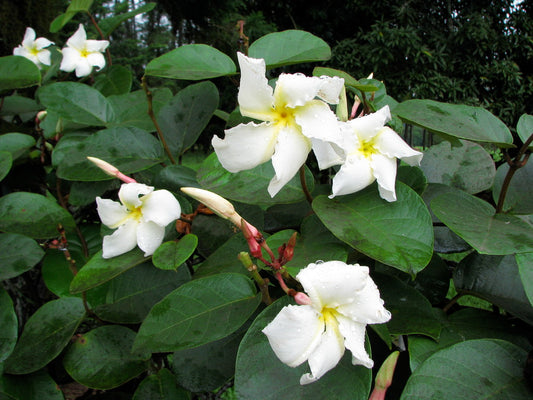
(34, 49)
(295, 122)
(82, 54)
(370, 151)
(140, 220)
(343, 300)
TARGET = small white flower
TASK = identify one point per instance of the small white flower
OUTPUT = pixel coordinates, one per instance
(343, 300)
(295, 122)
(82, 54)
(369, 152)
(34, 49)
(140, 220)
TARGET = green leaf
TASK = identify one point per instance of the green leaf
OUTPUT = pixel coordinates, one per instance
(17, 72)
(8, 325)
(23, 107)
(525, 269)
(478, 369)
(102, 358)
(108, 25)
(258, 367)
(183, 118)
(33, 215)
(18, 254)
(115, 81)
(412, 177)
(495, 279)
(198, 312)
(518, 199)
(289, 47)
(45, 335)
(457, 121)
(466, 324)
(174, 177)
(477, 223)
(191, 62)
(84, 193)
(6, 161)
(249, 186)
(74, 7)
(36, 386)
(411, 311)
(224, 258)
(99, 270)
(76, 102)
(399, 234)
(467, 167)
(130, 296)
(160, 386)
(171, 255)
(16, 143)
(129, 149)
(524, 128)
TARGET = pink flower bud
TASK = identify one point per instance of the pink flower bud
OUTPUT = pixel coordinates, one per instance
(302, 299)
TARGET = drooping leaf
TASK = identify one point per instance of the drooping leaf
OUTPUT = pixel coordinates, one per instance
(8, 325)
(102, 358)
(518, 199)
(191, 62)
(160, 386)
(478, 369)
(18, 72)
(289, 47)
(45, 335)
(198, 312)
(18, 254)
(33, 215)
(171, 255)
(456, 121)
(399, 234)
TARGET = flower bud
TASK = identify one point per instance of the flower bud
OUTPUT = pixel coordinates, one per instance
(302, 299)
(219, 205)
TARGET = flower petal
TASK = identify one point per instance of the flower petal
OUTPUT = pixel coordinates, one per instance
(83, 68)
(384, 169)
(330, 89)
(160, 207)
(71, 58)
(354, 340)
(78, 39)
(129, 194)
(245, 146)
(370, 125)
(327, 154)
(121, 241)
(332, 283)
(255, 94)
(44, 57)
(149, 237)
(112, 213)
(317, 121)
(293, 90)
(355, 174)
(391, 144)
(96, 59)
(294, 334)
(96, 46)
(291, 153)
(41, 43)
(327, 354)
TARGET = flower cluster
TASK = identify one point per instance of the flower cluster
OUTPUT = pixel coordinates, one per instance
(80, 54)
(297, 119)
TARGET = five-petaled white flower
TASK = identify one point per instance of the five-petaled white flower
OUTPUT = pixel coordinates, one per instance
(370, 150)
(343, 300)
(295, 122)
(140, 220)
(34, 49)
(82, 54)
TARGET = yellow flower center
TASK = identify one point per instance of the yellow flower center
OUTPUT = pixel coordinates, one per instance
(329, 316)
(367, 148)
(84, 53)
(136, 213)
(285, 116)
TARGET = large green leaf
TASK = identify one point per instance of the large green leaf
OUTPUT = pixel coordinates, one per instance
(33, 215)
(115, 81)
(478, 224)
(8, 325)
(16, 143)
(289, 47)
(198, 312)
(17, 72)
(191, 62)
(74, 7)
(129, 149)
(525, 269)
(160, 386)
(45, 335)
(183, 118)
(518, 199)
(108, 25)
(102, 358)
(36, 386)
(249, 186)
(99, 270)
(524, 128)
(18, 253)
(466, 324)
(258, 367)
(457, 121)
(474, 369)
(495, 279)
(399, 234)
(76, 102)
(467, 167)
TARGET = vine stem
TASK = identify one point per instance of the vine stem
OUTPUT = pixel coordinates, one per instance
(514, 165)
(304, 185)
(154, 120)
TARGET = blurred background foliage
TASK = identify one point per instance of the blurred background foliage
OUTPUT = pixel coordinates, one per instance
(477, 52)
